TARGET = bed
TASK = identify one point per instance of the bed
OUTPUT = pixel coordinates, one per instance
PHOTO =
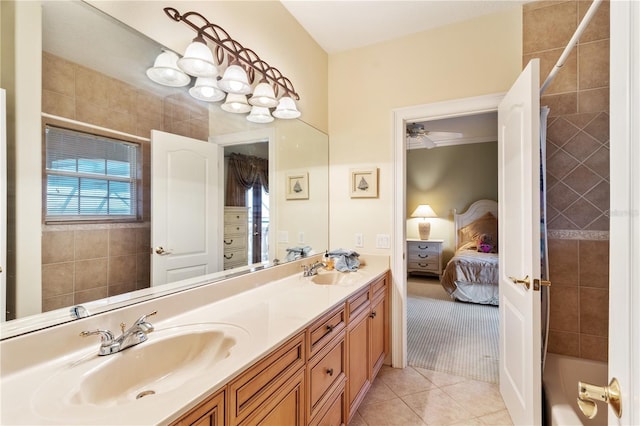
(472, 275)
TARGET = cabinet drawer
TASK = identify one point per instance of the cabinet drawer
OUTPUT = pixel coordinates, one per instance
(326, 370)
(419, 247)
(423, 266)
(323, 331)
(235, 229)
(431, 257)
(234, 242)
(358, 304)
(254, 386)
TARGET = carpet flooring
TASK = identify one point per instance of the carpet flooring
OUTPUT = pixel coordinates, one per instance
(448, 336)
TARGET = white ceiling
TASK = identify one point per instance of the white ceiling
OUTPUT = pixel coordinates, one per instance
(343, 25)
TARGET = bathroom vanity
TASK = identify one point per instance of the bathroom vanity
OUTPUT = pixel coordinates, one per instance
(268, 347)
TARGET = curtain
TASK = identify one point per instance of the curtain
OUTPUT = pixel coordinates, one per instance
(244, 172)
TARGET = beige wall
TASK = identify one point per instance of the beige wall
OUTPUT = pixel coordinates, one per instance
(475, 57)
(577, 172)
(449, 178)
(263, 26)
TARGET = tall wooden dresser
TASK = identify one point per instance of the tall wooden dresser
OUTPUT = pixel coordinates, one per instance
(236, 228)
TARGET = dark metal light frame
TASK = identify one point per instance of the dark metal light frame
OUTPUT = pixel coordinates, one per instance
(228, 48)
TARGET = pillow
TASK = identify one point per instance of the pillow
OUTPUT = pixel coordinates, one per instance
(486, 224)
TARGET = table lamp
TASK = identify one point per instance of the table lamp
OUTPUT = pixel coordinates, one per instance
(424, 227)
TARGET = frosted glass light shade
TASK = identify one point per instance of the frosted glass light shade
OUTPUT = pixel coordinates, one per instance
(198, 60)
(260, 115)
(286, 108)
(235, 80)
(165, 71)
(263, 96)
(206, 89)
(236, 103)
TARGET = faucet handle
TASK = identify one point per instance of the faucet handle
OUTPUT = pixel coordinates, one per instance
(105, 335)
(144, 317)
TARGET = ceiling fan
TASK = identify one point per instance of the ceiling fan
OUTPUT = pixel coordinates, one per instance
(418, 137)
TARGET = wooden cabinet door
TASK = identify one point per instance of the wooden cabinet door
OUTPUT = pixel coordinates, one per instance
(285, 407)
(209, 413)
(378, 321)
(358, 361)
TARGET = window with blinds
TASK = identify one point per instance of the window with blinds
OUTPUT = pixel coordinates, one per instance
(89, 177)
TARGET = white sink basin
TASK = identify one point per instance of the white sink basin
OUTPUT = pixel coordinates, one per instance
(331, 278)
(170, 358)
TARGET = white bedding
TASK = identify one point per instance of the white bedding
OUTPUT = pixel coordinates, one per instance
(472, 276)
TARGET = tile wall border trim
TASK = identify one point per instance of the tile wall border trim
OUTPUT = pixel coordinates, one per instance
(572, 234)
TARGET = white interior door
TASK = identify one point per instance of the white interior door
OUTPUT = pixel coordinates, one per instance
(184, 206)
(519, 242)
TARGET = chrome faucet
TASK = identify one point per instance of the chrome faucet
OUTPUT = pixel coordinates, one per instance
(136, 334)
(311, 270)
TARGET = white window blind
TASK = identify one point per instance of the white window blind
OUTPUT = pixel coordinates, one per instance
(89, 177)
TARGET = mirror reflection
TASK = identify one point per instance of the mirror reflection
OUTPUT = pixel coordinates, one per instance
(103, 92)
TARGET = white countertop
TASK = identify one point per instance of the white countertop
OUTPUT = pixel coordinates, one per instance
(42, 371)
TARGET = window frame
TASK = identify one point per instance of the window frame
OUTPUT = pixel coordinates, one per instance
(137, 216)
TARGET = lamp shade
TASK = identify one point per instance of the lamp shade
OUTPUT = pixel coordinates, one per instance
(286, 108)
(198, 60)
(206, 89)
(263, 96)
(424, 210)
(165, 71)
(236, 103)
(260, 115)
(235, 80)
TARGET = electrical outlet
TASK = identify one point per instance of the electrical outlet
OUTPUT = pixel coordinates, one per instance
(301, 237)
(382, 241)
(359, 240)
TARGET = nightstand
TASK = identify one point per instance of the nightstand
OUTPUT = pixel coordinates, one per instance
(425, 256)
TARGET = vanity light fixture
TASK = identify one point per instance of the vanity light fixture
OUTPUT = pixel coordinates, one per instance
(198, 59)
(165, 70)
(206, 89)
(260, 115)
(245, 67)
(263, 95)
(236, 104)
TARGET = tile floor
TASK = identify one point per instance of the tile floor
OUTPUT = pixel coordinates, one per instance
(415, 396)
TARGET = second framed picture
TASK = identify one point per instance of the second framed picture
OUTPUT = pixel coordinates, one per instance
(364, 183)
(297, 186)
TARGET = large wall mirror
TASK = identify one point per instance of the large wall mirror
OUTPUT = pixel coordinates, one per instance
(93, 81)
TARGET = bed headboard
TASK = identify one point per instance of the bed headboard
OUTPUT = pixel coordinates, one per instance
(475, 211)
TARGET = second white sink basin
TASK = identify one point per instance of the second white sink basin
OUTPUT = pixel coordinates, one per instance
(332, 278)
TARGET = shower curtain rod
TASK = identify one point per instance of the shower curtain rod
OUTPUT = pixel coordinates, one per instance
(574, 40)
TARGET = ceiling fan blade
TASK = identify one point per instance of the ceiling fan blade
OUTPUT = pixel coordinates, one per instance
(444, 135)
(419, 141)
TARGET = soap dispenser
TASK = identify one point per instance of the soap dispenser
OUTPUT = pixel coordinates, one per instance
(328, 261)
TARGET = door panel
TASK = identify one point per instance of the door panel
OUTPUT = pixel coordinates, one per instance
(184, 200)
(519, 242)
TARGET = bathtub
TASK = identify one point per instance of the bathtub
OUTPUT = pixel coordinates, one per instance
(560, 381)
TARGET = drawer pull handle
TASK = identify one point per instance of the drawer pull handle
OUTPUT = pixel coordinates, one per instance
(329, 328)
(229, 256)
(423, 257)
(423, 248)
(372, 315)
(229, 242)
(422, 265)
(330, 371)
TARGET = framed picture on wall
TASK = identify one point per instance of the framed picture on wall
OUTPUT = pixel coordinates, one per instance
(364, 183)
(297, 186)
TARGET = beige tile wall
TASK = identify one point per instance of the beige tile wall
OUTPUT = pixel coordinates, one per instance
(81, 263)
(87, 262)
(577, 171)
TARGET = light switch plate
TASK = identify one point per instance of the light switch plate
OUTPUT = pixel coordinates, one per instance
(383, 241)
(301, 237)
